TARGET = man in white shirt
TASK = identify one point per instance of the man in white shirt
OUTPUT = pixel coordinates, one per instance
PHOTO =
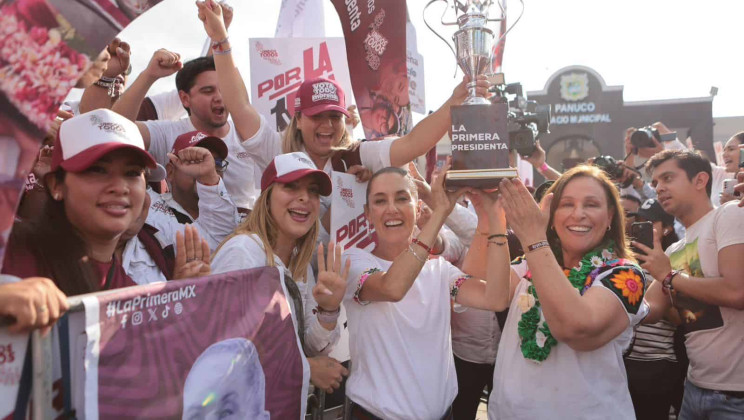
(198, 194)
(200, 94)
(702, 275)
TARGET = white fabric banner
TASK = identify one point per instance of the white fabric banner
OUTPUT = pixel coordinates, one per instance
(279, 66)
(416, 86)
(350, 228)
(12, 355)
(300, 19)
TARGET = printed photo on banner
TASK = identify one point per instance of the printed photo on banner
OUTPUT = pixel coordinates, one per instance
(375, 34)
(280, 65)
(349, 225)
(196, 348)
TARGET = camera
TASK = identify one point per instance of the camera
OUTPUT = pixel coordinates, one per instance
(643, 137)
(611, 166)
(526, 120)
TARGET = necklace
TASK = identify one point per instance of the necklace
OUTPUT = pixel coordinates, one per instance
(534, 333)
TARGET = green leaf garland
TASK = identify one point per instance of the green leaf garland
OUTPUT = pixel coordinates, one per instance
(529, 325)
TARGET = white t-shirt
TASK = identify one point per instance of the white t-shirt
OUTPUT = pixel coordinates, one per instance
(246, 251)
(401, 353)
(168, 105)
(242, 178)
(569, 384)
(714, 334)
(139, 265)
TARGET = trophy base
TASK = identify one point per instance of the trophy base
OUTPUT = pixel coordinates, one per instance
(478, 178)
(476, 100)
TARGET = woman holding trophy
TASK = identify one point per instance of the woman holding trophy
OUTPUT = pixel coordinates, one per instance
(575, 297)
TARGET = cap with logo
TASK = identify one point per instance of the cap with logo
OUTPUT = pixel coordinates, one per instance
(201, 139)
(84, 139)
(318, 95)
(290, 167)
(652, 211)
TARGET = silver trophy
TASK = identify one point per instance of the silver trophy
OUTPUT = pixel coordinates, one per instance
(474, 42)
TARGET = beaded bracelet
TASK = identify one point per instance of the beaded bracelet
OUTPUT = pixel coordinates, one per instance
(427, 248)
(497, 235)
(421, 260)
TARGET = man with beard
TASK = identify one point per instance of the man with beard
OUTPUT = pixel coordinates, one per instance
(197, 84)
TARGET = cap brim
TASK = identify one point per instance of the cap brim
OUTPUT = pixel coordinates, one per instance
(156, 174)
(324, 181)
(84, 159)
(214, 144)
(317, 109)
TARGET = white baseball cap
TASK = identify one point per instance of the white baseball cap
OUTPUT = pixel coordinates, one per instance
(84, 139)
(290, 167)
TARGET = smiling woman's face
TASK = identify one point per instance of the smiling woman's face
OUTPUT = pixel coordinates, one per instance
(582, 215)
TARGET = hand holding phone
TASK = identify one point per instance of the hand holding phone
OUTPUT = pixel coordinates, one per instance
(642, 232)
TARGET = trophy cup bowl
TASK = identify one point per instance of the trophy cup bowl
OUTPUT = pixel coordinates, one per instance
(473, 46)
(479, 133)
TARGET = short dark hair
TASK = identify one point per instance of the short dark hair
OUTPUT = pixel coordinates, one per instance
(631, 198)
(393, 170)
(691, 162)
(186, 77)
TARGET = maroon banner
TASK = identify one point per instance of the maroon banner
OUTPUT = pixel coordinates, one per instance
(375, 35)
(196, 348)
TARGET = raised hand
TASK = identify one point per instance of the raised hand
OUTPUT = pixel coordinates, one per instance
(196, 162)
(443, 201)
(527, 219)
(331, 285)
(118, 64)
(211, 15)
(163, 64)
(192, 255)
(460, 93)
(423, 187)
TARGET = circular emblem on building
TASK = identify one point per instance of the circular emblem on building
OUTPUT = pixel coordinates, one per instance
(574, 86)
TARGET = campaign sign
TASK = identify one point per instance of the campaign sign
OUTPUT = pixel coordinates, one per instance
(280, 65)
(195, 349)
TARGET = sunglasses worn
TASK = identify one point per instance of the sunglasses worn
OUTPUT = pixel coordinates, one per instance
(221, 165)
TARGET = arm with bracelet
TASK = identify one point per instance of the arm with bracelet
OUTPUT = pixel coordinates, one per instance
(231, 84)
(489, 244)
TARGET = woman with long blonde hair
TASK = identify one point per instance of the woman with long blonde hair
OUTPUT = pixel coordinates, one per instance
(281, 231)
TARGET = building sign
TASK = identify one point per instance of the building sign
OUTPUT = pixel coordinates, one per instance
(590, 118)
(574, 87)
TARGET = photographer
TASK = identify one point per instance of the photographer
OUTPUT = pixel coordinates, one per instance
(639, 148)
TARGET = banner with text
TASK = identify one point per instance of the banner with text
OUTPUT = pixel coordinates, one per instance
(375, 35)
(279, 66)
(195, 349)
(350, 228)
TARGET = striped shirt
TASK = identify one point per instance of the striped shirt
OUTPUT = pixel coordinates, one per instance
(653, 342)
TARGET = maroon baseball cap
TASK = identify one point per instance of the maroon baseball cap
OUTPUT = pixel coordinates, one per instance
(318, 95)
(290, 167)
(84, 139)
(201, 139)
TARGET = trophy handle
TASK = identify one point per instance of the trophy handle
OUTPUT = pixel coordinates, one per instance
(443, 23)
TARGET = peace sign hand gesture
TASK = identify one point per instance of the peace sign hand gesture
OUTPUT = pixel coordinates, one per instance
(331, 285)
